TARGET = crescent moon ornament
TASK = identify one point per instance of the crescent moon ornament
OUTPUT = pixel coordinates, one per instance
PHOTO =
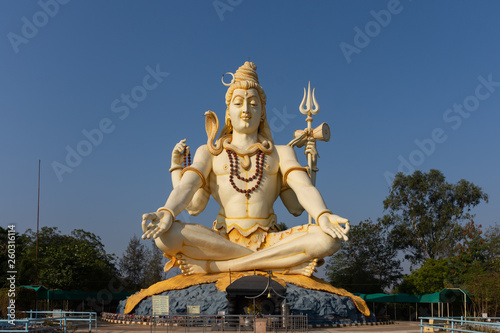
(232, 80)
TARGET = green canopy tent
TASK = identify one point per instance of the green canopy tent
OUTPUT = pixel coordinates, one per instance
(447, 295)
(77, 295)
(386, 298)
(41, 291)
(389, 298)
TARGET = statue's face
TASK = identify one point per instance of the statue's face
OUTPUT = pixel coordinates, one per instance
(245, 111)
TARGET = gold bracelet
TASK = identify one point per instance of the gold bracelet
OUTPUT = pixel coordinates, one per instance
(172, 169)
(164, 209)
(196, 171)
(285, 176)
(326, 211)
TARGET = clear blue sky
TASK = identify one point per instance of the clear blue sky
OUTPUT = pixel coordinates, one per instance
(379, 90)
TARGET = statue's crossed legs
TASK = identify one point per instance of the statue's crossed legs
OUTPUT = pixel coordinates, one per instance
(198, 249)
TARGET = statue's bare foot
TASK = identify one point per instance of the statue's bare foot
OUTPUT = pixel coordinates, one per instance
(306, 268)
(191, 266)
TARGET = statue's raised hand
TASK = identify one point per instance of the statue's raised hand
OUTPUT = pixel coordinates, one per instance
(160, 223)
(179, 153)
(331, 224)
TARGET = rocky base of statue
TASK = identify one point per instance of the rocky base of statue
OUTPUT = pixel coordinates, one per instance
(322, 302)
(210, 300)
(321, 307)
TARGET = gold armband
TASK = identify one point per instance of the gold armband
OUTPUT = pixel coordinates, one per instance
(285, 176)
(326, 211)
(172, 169)
(196, 171)
(164, 209)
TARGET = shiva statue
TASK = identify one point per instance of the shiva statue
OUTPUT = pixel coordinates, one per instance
(245, 172)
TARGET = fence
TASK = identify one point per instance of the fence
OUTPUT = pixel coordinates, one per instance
(460, 324)
(45, 320)
(202, 323)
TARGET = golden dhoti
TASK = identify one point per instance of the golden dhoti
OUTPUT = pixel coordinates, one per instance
(254, 234)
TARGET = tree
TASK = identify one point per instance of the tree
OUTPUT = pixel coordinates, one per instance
(366, 263)
(485, 291)
(282, 226)
(25, 300)
(492, 239)
(71, 262)
(154, 267)
(472, 252)
(426, 213)
(431, 277)
(132, 264)
(476, 268)
(7, 257)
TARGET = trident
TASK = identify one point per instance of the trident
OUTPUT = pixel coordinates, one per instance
(309, 136)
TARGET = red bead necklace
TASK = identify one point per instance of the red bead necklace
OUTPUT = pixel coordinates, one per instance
(234, 165)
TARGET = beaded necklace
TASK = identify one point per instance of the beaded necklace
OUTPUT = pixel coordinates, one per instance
(234, 165)
(187, 159)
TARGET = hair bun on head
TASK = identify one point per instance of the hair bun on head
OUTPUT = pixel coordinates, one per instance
(245, 78)
(247, 72)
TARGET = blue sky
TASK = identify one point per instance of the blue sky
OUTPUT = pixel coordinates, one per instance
(390, 78)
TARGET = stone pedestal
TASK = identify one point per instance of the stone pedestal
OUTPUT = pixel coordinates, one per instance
(320, 306)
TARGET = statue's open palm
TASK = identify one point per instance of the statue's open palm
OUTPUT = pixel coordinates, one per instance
(160, 223)
(331, 224)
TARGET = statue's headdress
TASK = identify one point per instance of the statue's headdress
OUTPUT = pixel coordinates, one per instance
(245, 78)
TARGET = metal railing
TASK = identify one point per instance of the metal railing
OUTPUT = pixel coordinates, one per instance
(202, 323)
(460, 324)
(46, 320)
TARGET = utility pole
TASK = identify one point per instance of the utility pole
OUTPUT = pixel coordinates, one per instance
(37, 225)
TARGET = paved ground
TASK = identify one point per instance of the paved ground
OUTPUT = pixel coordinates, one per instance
(397, 327)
